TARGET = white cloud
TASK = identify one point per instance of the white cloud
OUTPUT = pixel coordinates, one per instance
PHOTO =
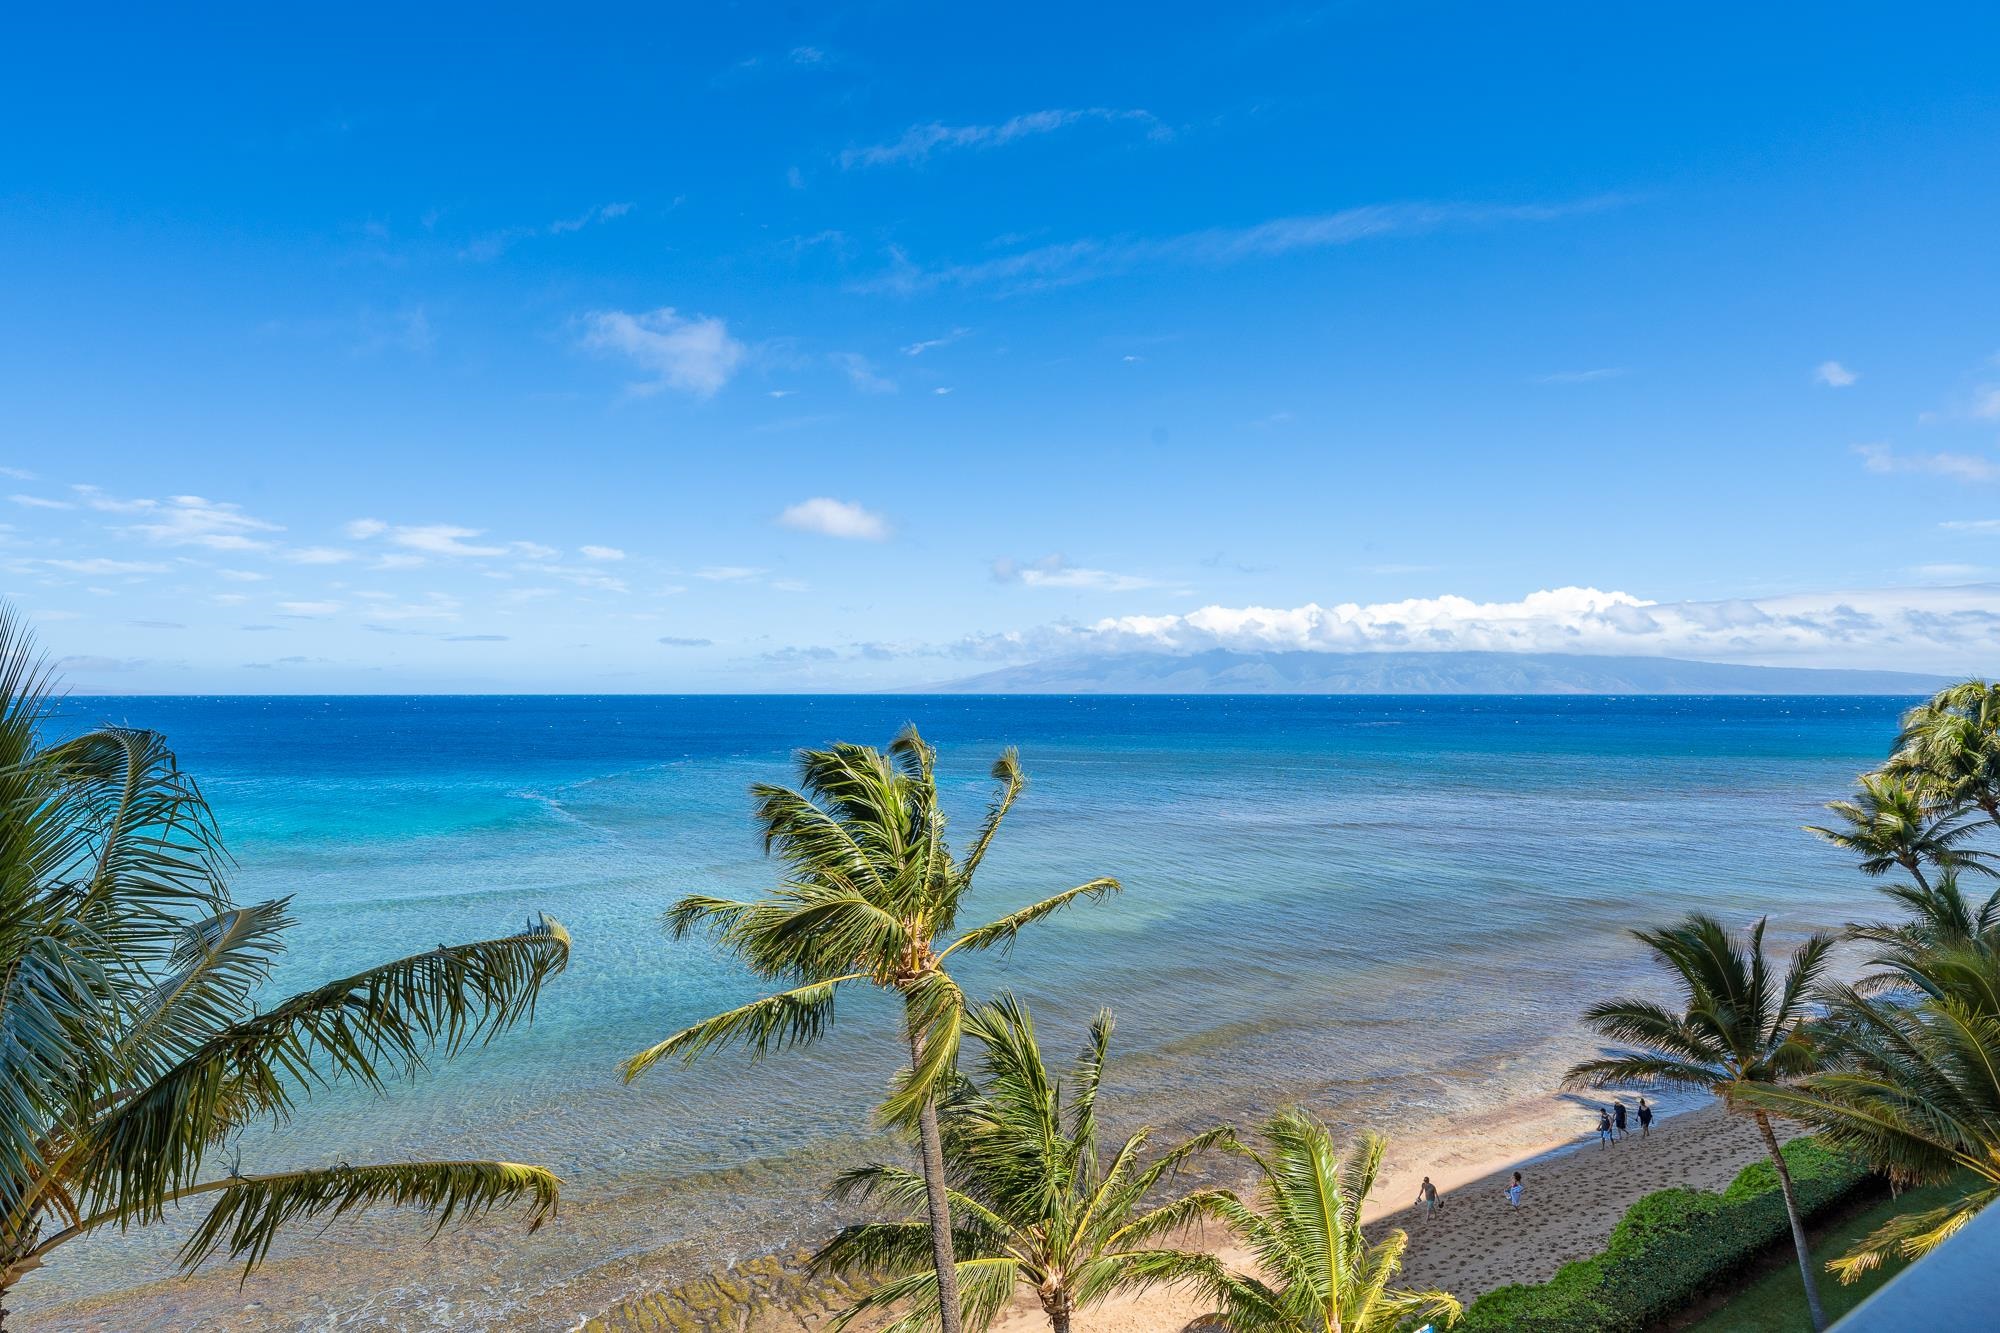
(1834, 375)
(17, 474)
(920, 141)
(835, 518)
(695, 355)
(728, 573)
(1895, 627)
(38, 502)
(309, 610)
(927, 344)
(108, 504)
(1986, 402)
(318, 555)
(1053, 571)
(242, 575)
(361, 529)
(1080, 260)
(601, 553)
(443, 539)
(1982, 526)
(861, 374)
(1965, 467)
(102, 566)
(1583, 376)
(189, 520)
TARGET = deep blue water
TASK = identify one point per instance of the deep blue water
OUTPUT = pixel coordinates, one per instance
(1393, 906)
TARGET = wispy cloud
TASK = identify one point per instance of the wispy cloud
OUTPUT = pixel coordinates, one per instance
(694, 355)
(1081, 260)
(861, 374)
(835, 518)
(600, 553)
(920, 141)
(1965, 467)
(444, 539)
(491, 245)
(923, 345)
(189, 520)
(1581, 376)
(100, 565)
(1053, 571)
(39, 502)
(1834, 375)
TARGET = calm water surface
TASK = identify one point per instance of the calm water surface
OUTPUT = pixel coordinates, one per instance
(1393, 906)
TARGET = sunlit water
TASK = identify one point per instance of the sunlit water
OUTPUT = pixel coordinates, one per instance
(1393, 907)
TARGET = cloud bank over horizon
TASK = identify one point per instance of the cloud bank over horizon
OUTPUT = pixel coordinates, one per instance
(1914, 628)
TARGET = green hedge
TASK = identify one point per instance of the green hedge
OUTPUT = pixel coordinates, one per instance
(1670, 1249)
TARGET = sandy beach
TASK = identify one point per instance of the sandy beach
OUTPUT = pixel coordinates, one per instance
(1576, 1191)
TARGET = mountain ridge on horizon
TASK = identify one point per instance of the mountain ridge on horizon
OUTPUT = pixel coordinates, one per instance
(1222, 671)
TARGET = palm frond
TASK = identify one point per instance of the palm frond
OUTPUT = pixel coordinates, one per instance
(253, 1210)
(796, 1017)
(365, 1027)
(1003, 931)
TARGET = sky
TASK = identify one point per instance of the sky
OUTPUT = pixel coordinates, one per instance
(864, 346)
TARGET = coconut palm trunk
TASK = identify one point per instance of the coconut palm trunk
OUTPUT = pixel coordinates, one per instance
(937, 1205)
(1799, 1244)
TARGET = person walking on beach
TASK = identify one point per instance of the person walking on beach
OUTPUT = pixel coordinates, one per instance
(1618, 1115)
(1645, 1118)
(1514, 1192)
(1427, 1195)
(1603, 1128)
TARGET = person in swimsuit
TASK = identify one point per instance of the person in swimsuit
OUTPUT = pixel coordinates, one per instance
(1645, 1118)
(1618, 1117)
(1603, 1128)
(1514, 1192)
(1427, 1195)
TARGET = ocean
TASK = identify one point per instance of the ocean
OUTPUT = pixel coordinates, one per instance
(1391, 908)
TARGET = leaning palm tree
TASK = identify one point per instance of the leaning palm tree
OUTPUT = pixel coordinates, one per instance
(1319, 1272)
(1891, 824)
(132, 1045)
(1037, 1205)
(1915, 1091)
(1739, 1027)
(1949, 746)
(870, 891)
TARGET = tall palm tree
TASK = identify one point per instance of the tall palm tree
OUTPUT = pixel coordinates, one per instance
(1320, 1273)
(1890, 824)
(1915, 1090)
(1037, 1204)
(870, 891)
(1739, 1027)
(1950, 745)
(131, 1045)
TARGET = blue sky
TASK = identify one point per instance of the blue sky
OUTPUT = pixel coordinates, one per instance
(848, 346)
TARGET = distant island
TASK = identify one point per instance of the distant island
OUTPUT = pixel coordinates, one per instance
(1222, 672)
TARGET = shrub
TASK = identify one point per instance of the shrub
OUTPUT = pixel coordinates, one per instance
(1670, 1249)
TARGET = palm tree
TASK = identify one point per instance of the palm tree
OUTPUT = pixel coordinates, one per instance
(131, 1046)
(1037, 1205)
(1950, 745)
(870, 890)
(1321, 1275)
(1939, 920)
(1914, 1090)
(1739, 1027)
(1890, 824)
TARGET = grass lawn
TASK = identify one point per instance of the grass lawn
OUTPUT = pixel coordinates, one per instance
(1776, 1302)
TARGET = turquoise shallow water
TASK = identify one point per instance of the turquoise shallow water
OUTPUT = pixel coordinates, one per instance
(1395, 907)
